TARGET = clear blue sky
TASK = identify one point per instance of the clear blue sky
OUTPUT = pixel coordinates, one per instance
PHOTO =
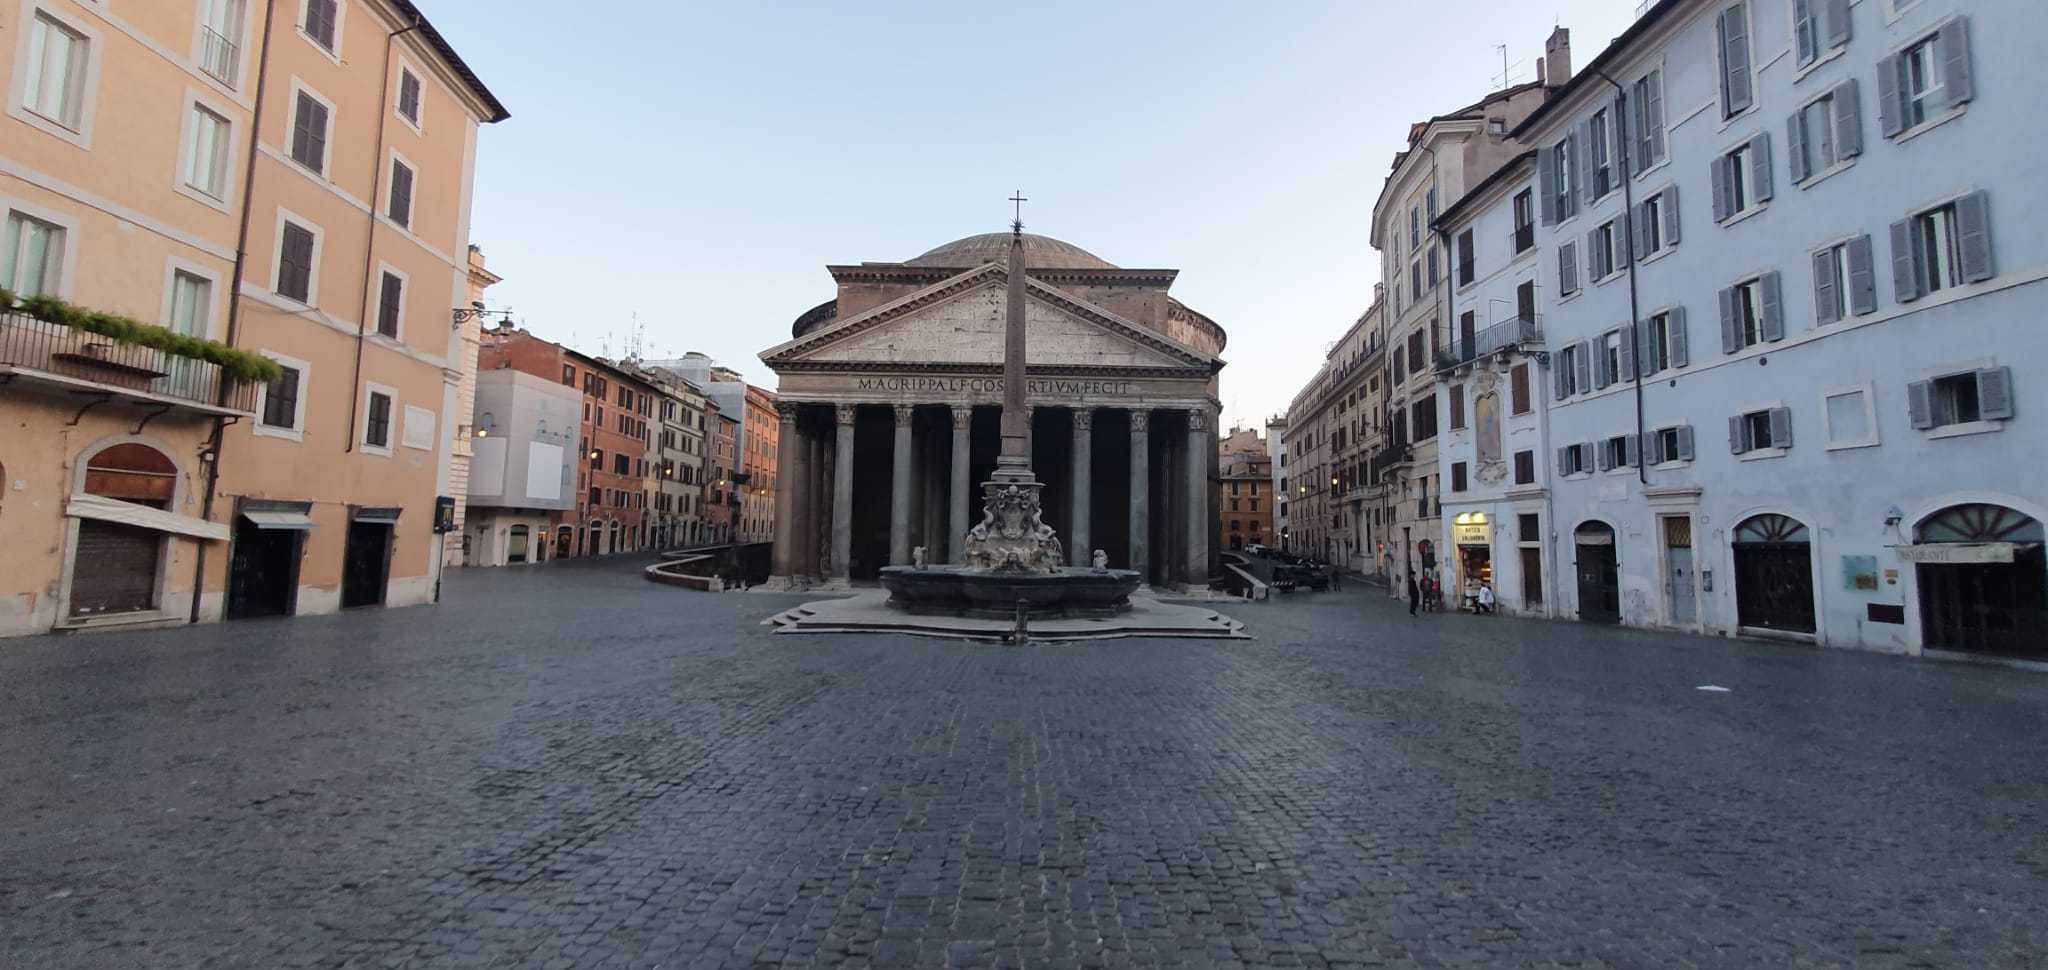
(699, 164)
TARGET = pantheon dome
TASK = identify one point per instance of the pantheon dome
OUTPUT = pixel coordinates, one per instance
(1040, 252)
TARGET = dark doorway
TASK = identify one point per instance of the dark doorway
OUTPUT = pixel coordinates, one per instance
(1599, 574)
(263, 571)
(1773, 574)
(1532, 577)
(365, 563)
(1985, 607)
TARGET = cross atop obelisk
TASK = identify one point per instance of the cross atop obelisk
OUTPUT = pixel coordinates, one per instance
(1013, 465)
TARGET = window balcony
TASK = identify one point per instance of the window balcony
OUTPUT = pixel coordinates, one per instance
(1523, 238)
(1512, 334)
(52, 358)
(1389, 459)
(218, 56)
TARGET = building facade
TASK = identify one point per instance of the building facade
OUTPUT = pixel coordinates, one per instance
(612, 506)
(1245, 489)
(755, 484)
(523, 465)
(463, 421)
(1789, 331)
(722, 515)
(329, 229)
(1354, 409)
(1276, 450)
(891, 397)
(683, 460)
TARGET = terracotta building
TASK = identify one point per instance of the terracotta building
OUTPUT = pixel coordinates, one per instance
(142, 184)
(723, 504)
(756, 481)
(1244, 495)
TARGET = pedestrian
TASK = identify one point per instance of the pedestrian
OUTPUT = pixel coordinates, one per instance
(1486, 598)
(1336, 578)
(1414, 593)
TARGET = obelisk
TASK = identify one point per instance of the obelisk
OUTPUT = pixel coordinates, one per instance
(1013, 464)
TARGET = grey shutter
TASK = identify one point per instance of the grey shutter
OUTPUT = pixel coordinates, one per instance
(1973, 229)
(1596, 257)
(1606, 456)
(1891, 114)
(1575, 151)
(1586, 454)
(1795, 145)
(1862, 281)
(1632, 452)
(1905, 263)
(1588, 190)
(1825, 286)
(1600, 376)
(1731, 335)
(1559, 389)
(1621, 248)
(1760, 168)
(1772, 326)
(1564, 461)
(1834, 23)
(1646, 338)
(1674, 335)
(1623, 163)
(1657, 455)
(1954, 45)
(1568, 269)
(1848, 103)
(1721, 206)
(1920, 404)
(1735, 80)
(1639, 243)
(1738, 435)
(1546, 184)
(1684, 442)
(1652, 134)
(1805, 49)
(1994, 393)
(1585, 356)
(1670, 208)
(1781, 427)
(1627, 369)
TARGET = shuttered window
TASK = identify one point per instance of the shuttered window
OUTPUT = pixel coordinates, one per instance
(1647, 113)
(1518, 389)
(1826, 132)
(1732, 30)
(309, 133)
(295, 263)
(1742, 178)
(1752, 312)
(281, 400)
(409, 95)
(1966, 398)
(1818, 27)
(400, 208)
(321, 18)
(377, 425)
(390, 305)
(1525, 468)
(1926, 80)
(1943, 247)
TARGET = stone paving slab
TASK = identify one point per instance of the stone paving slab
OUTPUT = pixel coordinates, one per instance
(566, 766)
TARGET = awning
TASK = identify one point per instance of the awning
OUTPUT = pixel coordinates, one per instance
(278, 520)
(142, 516)
(383, 514)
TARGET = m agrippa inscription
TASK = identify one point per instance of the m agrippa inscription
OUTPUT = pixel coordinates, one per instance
(1037, 386)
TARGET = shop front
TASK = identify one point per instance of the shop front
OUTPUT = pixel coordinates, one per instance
(1472, 540)
(1982, 579)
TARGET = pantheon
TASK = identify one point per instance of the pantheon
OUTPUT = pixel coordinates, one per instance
(890, 401)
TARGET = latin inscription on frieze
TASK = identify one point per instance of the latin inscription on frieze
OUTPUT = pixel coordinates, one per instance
(1037, 386)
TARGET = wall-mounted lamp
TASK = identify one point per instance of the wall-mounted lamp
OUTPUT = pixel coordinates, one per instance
(476, 309)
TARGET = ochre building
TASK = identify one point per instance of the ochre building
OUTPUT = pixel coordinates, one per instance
(890, 401)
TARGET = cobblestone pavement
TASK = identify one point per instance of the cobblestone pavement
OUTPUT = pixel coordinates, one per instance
(565, 766)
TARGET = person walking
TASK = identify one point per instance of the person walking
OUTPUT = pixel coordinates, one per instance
(1414, 593)
(1486, 598)
(1336, 578)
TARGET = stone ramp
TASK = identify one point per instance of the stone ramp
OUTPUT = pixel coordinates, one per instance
(869, 613)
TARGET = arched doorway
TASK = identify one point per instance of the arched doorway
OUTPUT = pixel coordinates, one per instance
(593, 540)
(565, 537)
(117, 567)
(616, 539)
(1774, 574)
(1983, 581)
(1599, 573)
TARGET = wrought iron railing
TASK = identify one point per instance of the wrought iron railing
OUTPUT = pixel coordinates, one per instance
(30, 344)
(1501, 335)
(1388, 458)
(218, 55)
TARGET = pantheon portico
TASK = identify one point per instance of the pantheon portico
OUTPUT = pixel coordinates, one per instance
(890, 397)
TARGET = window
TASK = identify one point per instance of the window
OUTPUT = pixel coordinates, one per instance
(219, 54)
(191, 304)
(1415, 358)
(1614, 357)
(1414, 227)
(1732, 30)
(207, 153)
(1655, 224)
(309, 132)
(1455, 399)
(1961, 399)
(1818, 26)
(1661, 344)
(1618, 452)
(1525, 221)
(408, 95)
(1943, 247)
(1518, 389)
(1926, 80)
(322, 18)
(1742, 179)
(1457, 476)
(295, 263)
(622, 465)
(1605, 254)
(1599, 135)
(1557, 178)
(1465, 258)
(377, 423)
(1424, 419)
(281, 400)
(1575, 460)
(596, 496)
(1431, 257)
(569, 380)
(1826, 132)
(1646, 107)
(1761, 432)
(1574, 370)
(400, 208)
(1525, 468)
(56, 72)
(1849, 417)
(596, 460)
(1415, 277)
(1567, 269)
(32, 256)
(1671, 444)
(390, 304)
(1751, 313)
(1843, 281)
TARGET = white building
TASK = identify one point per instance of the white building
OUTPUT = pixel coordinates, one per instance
(1808, 225)
(1491, 452)
(522, 473)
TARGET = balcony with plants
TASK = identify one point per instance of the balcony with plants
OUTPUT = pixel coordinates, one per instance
(51, 346)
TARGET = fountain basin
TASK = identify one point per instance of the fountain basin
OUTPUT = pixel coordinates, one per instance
(959, 591)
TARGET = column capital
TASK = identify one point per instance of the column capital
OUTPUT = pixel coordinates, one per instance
(1198, 419)
(903, 413)
(963, 416)
(1084, 418)
(845, 413)
(1141, 421)
(786, 411)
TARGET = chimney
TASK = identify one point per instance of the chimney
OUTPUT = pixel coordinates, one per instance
(1556, 68)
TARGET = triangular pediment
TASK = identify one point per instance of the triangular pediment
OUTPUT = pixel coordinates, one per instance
(960, 322)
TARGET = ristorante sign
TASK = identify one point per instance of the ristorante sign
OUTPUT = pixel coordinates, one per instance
(1036, 387)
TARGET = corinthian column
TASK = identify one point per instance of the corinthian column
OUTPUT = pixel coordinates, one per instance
(1141, 491)
(956, 534)
(842, 496)
(899, 491)
(788, 533)
(1200, 509)
(1078, 552)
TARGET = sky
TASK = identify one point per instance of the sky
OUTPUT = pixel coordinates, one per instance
(695, 166)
